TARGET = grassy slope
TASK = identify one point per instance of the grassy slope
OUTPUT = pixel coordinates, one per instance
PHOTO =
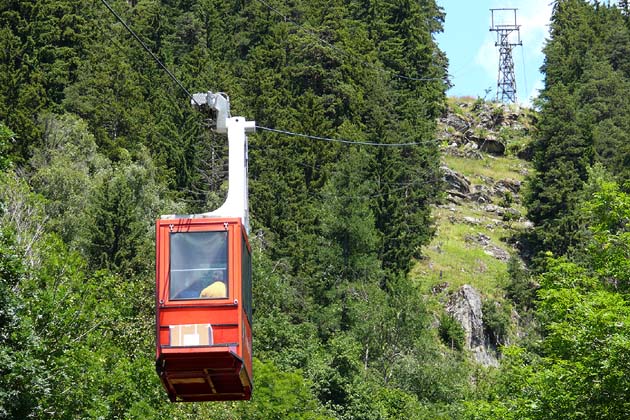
(451, 261)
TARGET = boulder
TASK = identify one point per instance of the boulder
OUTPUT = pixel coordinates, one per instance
(496, 252)
(458, 122)
(506, 185)
(486, 243)
(479, 238)
(492, 208)
(471, 220)
(455, 181)
(480, 194)
(491, 145)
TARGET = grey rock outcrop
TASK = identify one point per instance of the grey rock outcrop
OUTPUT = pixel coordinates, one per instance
(458, 122)
(505, 185)
(489, 144)
(484, 203)
(466, 307)
(488, 247)
(481, 124)
(481, 194)
(455, 181)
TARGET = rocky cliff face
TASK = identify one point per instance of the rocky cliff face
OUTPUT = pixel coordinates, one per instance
(466, 307)
(470, 128)
(485, 150)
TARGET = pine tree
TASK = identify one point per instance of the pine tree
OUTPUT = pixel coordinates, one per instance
(584, 115)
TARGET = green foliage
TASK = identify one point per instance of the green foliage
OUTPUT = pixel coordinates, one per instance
(521, 288)
(24, 212)
(579, 370)
(497, 320)
(21, 376)
(282, 395)
(80, 330)
(107, 143)
(43, 43)
(585, 338)
(64, 168)
(608, 214)
(6, 138)
(451, 332)
(561, 162)
(120, 216)
(584, 116)
(373, 401)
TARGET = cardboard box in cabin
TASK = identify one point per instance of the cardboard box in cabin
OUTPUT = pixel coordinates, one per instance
(191, 335)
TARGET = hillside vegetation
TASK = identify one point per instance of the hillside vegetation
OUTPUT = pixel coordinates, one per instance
(98, 141)
(479, 271)
(482, 214)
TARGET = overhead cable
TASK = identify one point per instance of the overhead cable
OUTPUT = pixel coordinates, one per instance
(147, 49)
(289, 133)
(361, 143)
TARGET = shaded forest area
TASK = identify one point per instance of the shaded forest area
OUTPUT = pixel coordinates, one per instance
(97, 141)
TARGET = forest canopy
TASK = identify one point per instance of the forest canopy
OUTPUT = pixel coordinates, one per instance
(97, 141)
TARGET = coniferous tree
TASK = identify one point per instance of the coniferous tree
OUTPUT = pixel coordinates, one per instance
(585, 80)
(327, 217)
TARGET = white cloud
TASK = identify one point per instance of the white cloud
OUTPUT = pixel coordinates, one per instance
(488, 56)
(535, 90)
(533, 17)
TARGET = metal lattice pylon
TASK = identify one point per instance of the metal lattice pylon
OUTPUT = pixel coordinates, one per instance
(505, 29)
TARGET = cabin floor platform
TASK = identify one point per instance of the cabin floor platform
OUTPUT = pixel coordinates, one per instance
(217, 375)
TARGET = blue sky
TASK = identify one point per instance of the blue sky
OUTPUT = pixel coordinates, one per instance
(473, 57)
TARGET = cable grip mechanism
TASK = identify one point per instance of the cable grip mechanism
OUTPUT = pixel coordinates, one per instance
(217, 105)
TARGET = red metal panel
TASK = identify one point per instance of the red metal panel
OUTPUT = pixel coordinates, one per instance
(225, 334)
(247, 344)
(222, 370)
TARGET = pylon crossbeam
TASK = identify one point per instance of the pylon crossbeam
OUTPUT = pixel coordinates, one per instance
(506, 80)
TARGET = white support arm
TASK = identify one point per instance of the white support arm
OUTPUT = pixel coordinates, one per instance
(236, 202)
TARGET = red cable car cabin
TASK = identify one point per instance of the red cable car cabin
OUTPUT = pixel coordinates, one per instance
(204, 310)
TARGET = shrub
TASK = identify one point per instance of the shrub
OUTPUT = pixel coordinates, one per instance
(496, 321)
(451, 332)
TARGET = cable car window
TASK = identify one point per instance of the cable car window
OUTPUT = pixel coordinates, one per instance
(199, 262)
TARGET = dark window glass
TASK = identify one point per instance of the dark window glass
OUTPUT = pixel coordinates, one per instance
(246, 272)
(199, 265)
